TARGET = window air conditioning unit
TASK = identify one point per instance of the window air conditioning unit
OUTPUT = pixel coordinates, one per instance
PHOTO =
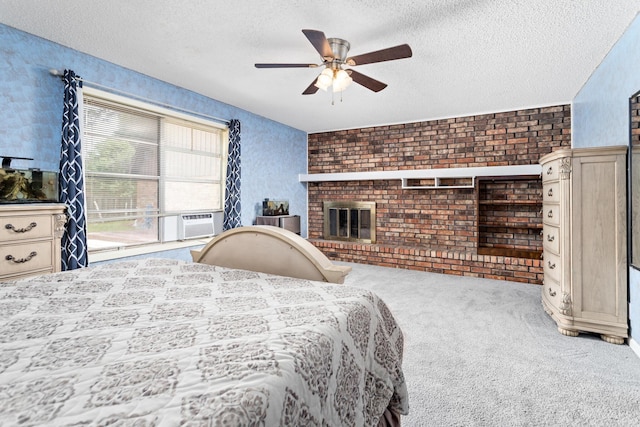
(195, 225)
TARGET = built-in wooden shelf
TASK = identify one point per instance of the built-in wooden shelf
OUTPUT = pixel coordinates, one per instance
(516, 253)
(515, 225)
(509, 204)
(434, 183)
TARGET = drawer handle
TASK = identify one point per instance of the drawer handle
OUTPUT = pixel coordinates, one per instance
(550, 192)
(550, 214)
(20, 230)
(21, 260)
(550, 170)
(551, 266)
(550, 238)
(552, 293)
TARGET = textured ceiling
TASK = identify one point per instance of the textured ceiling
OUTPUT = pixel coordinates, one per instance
(469, 56)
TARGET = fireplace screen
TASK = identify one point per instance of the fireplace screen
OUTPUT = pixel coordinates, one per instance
(351, 221)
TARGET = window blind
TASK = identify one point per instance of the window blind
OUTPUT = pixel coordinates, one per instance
(141, 165)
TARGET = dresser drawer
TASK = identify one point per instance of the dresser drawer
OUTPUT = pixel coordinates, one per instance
(551, 171)
(551, 292)
(25, 257)
(552, 266)
(551, 238)
(551, 214)
(551, 192)
(15, 228)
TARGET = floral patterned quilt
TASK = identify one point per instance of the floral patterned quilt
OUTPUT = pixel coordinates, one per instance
(158, 342)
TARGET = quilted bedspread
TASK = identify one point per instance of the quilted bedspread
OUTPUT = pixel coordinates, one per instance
(158, 342)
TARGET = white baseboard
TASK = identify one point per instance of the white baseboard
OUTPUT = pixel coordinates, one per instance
(634, 346)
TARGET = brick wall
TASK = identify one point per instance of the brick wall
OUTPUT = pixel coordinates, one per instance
(431, 229)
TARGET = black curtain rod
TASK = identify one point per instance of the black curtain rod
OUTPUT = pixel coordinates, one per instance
(60, 74)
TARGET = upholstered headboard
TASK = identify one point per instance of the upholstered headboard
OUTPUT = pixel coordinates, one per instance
(270, 250)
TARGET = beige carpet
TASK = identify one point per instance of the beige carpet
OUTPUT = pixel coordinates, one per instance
(484, 353)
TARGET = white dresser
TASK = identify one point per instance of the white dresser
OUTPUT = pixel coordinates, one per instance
(585, 241)
(30, 239)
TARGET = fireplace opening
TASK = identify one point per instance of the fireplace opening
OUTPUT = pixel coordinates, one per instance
(350, 221)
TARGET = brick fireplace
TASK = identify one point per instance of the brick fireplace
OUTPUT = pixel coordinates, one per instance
(437, 230)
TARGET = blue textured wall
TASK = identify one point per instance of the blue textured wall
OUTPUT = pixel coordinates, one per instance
(600, 116)
(30, 122)
(600, 110)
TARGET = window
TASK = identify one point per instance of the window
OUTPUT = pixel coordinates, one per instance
(144, 165)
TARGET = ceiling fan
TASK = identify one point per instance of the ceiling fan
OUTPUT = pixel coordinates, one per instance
(333, 52)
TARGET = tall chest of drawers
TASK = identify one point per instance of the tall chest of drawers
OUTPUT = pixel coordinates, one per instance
(585, 241)
(30, 237)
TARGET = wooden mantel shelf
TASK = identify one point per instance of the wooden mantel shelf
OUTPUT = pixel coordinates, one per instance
(418, 174)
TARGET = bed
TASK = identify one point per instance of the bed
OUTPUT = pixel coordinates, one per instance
(159, 342)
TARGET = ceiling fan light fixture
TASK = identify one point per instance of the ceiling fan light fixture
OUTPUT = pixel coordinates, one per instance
(324, 79)
(341, 80)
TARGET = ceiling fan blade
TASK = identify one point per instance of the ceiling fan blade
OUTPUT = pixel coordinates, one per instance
(320, 42)
(366, 81)
(286, 65)
(311, 89)
(389, 54)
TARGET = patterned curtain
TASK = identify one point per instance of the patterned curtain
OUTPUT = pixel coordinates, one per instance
(74, 238)
(232, 191)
